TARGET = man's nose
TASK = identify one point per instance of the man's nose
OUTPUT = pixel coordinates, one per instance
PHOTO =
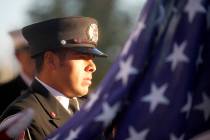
(91, 67)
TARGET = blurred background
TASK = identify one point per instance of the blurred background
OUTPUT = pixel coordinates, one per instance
(116, 19)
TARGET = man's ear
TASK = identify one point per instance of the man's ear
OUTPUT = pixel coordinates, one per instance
(51, 60)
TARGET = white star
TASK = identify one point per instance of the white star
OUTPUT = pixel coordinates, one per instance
(204, 106)
(134, 135)
(193, 7)
(127, 46)
(156, 96)
(177, 55)
(199, 59)
(139, 28)
(188, 105)
(126, 69)
(92, 98)
(73, 134)
(54, 138)
(173, 137)
(107, 114)
(134, 36)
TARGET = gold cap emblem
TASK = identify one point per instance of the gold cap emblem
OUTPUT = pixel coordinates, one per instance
(93, 33)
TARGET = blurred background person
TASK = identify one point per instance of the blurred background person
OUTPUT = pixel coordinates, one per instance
(12, 89)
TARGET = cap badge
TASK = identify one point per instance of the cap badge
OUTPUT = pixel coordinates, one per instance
(93, 33)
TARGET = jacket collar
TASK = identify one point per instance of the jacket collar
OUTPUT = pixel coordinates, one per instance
(53, 108)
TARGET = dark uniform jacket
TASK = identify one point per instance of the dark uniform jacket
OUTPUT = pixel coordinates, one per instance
(10, 91)
(49, 113)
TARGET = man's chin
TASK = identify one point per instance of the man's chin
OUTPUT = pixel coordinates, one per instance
(82, 93)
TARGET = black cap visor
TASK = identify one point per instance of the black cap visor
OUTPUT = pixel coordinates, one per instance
(89, 50)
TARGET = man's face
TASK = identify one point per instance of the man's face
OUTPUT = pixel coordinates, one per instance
(74, 73)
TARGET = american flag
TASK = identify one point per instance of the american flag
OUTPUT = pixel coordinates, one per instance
(159, 86)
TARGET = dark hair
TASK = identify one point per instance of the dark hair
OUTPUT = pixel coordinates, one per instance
(39, 59)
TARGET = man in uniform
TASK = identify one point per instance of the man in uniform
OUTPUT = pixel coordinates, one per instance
(11, 90)
(63, 49)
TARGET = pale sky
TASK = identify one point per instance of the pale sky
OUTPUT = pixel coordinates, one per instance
(13, 13)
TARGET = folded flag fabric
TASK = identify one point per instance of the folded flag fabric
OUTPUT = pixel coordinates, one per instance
(15, 126)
